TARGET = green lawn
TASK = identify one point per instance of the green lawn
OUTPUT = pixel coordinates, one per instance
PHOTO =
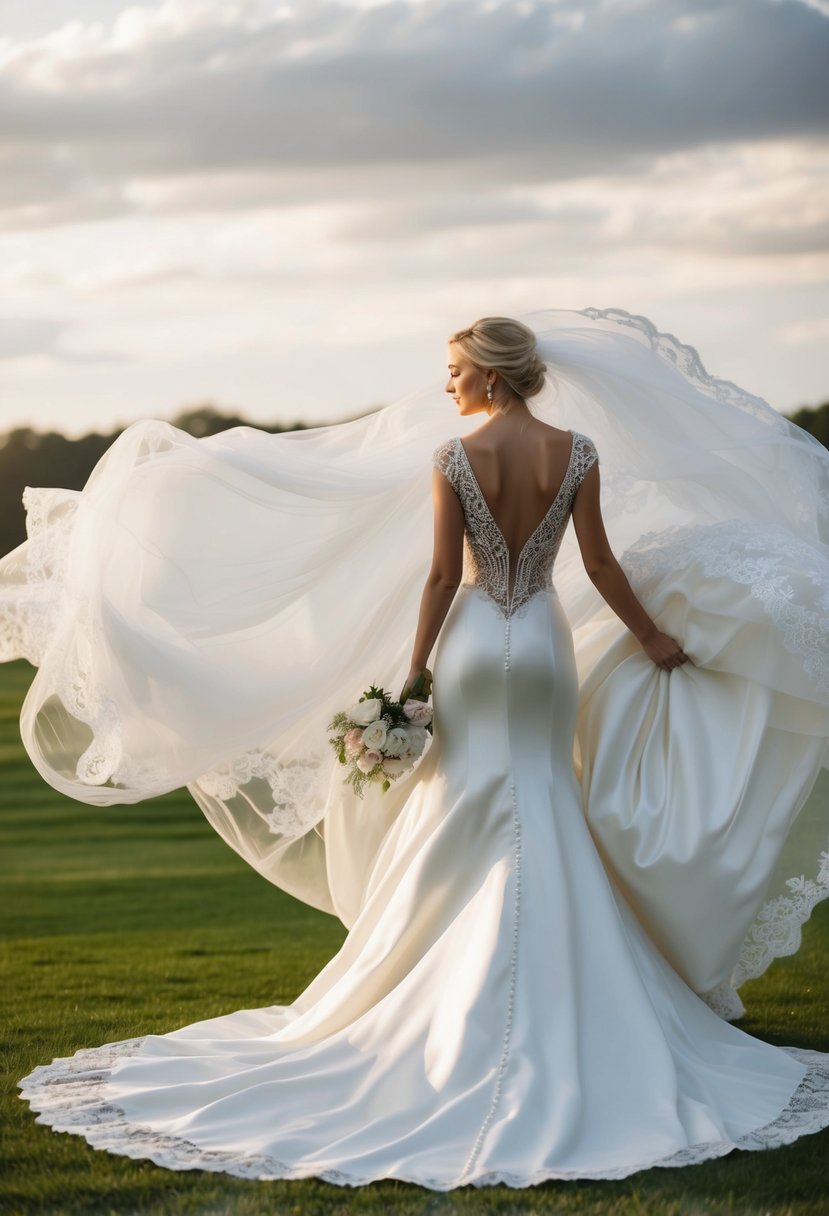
(129, 920)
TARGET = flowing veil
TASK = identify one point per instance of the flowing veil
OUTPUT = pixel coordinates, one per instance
(199, 611)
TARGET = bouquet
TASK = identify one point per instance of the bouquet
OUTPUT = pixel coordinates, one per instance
(379, 738)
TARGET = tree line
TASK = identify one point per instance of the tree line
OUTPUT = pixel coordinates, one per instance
(34, 458)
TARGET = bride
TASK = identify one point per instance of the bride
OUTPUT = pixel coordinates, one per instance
(549, 917)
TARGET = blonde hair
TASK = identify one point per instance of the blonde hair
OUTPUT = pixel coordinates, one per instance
(508, 347)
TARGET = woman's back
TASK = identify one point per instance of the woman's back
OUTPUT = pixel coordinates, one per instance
(519, 471)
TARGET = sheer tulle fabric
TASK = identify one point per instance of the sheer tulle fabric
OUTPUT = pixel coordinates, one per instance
(202, 607)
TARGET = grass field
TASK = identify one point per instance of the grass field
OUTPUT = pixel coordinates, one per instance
(129, 920)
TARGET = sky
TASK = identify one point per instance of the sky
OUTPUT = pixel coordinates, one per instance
(284, 209)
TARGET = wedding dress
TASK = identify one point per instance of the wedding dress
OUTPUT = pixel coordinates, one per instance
(518, 995)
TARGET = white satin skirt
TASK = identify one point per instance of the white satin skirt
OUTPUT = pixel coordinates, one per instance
(497, 1013)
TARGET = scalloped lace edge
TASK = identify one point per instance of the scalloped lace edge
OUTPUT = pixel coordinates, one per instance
(776, 930)
(70, 1096)
(686, 359)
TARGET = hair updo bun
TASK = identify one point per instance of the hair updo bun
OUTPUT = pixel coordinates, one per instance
(508, 347)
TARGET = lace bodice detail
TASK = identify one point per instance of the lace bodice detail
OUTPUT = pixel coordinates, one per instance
(486, 558)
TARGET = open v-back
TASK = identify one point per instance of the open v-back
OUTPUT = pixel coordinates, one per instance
(488, 563)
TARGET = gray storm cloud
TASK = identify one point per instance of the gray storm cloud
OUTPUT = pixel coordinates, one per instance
(462, 91)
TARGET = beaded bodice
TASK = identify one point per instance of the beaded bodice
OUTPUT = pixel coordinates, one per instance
(486, 557)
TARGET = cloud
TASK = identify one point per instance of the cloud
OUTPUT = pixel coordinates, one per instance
(766, 199)
(27, 337)
(227, 104)
(20, 337)
(803, 333)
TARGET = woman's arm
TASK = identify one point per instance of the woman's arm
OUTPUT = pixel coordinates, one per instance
(444, 576)
(610, 580)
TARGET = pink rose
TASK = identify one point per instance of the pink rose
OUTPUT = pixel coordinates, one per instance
(353, 739)
(418, 712)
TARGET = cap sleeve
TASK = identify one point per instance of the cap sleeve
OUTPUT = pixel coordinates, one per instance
(445, 458)
(584, 456)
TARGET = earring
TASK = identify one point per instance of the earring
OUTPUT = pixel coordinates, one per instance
(489, 392)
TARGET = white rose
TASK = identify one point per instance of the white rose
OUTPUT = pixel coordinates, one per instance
(366, 711)
(367, 760)
(393, 766)
(397, 741)
(416, 739)
(374, 735)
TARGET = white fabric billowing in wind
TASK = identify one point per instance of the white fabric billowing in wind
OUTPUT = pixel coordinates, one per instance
(199, 611)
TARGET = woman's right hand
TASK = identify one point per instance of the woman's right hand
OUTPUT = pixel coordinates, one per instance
(610, 580)
(663, 650)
